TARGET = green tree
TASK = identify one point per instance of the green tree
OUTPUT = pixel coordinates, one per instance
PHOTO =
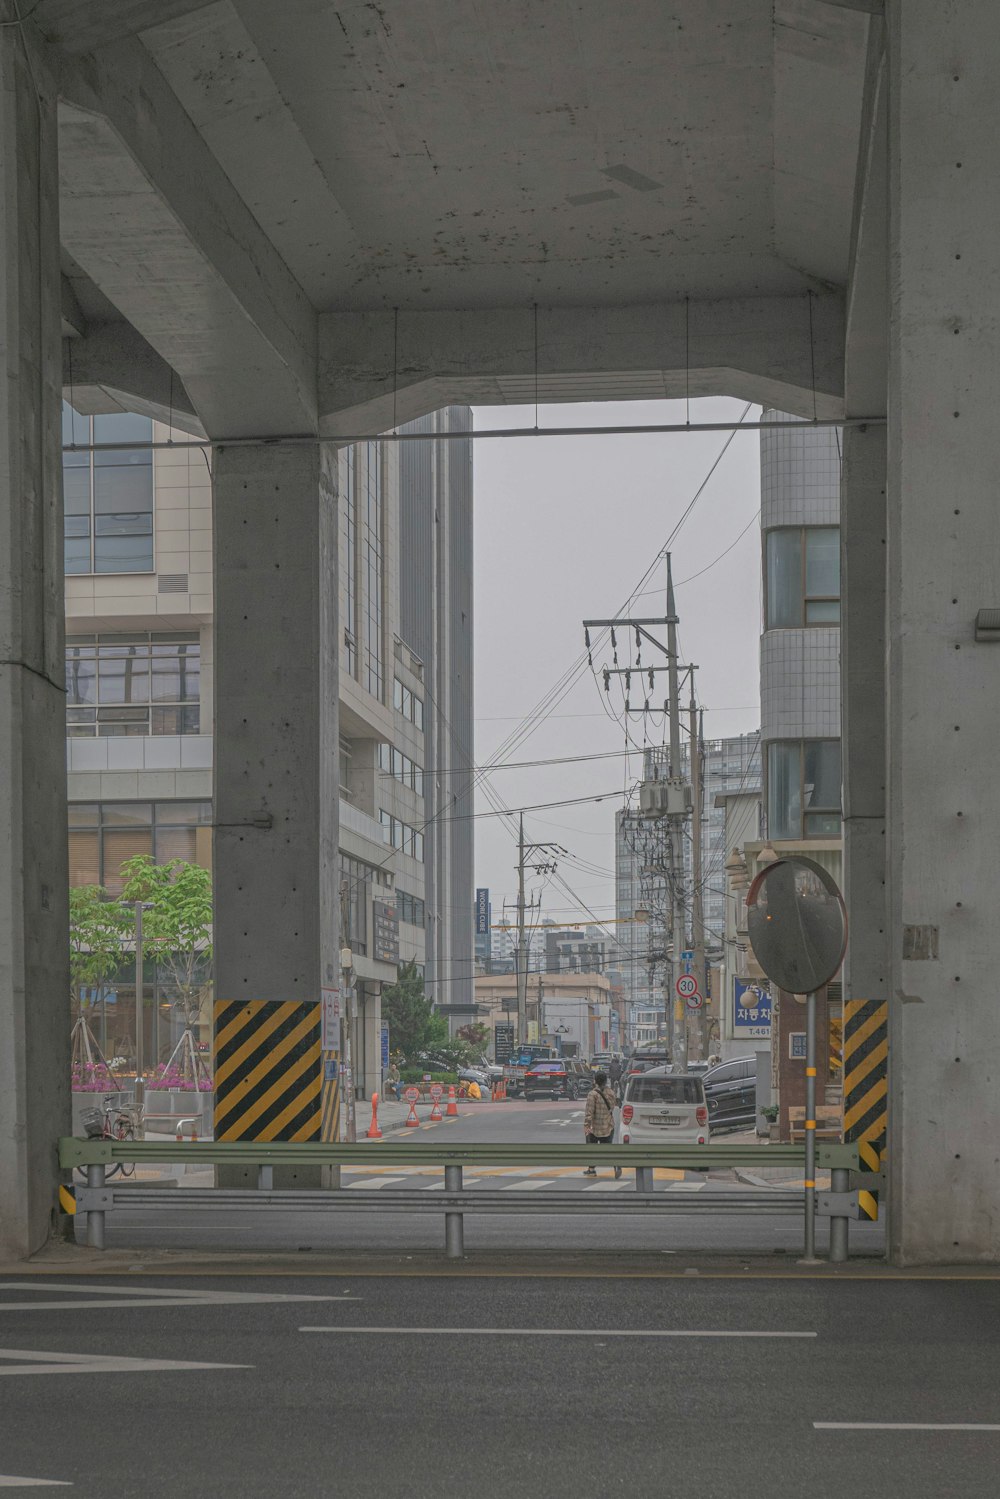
(178, 928)
(413, 1025)
(98, 938)
(475, 1035)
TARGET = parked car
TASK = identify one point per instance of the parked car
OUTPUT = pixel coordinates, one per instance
(731, 1092)
(663, 1105)
(550, 1080)
(581, 1077)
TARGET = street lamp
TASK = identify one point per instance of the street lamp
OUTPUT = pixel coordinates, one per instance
(140, 1082)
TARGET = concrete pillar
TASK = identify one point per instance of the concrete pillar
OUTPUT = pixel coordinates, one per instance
(276, 739)
(862, 665)
(34, 951)
(943, 686)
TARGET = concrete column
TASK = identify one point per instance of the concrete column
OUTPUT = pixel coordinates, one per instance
(862, 665)
(34, 951)
(943, 687)
(276, 740)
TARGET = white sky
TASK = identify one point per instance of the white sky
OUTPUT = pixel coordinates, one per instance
(564, 530)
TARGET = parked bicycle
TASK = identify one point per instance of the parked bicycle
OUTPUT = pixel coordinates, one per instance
(111, 1122)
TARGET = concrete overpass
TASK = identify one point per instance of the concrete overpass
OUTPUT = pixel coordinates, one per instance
(309, 219)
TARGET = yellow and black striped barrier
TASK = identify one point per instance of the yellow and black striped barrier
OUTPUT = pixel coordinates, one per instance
(866, 1087)
(67, 1198)
(268, 1070)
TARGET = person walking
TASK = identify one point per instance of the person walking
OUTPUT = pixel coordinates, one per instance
(599, 1118)
(615, 1073)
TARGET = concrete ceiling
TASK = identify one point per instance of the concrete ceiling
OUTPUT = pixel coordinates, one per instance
(231, 170)
(442, 153)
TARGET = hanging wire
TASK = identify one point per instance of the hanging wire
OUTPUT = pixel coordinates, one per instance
(395, 363)
(812, 354)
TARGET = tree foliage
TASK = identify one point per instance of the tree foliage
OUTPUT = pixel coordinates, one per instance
(98, 937)
(414, 1027)
(178, 928)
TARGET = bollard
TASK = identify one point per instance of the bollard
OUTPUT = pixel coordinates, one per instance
(95, 1220)
(644, 1178)
(840, 1181)
(454, 1229)
(452, 1109)
(374, 1132)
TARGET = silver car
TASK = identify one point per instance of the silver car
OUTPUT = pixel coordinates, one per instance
(665, 1106)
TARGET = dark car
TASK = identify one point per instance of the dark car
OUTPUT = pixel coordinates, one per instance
(549, 1080)
(731, 1093)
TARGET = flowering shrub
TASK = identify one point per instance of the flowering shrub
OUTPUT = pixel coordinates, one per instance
(172, 1080)
(93, 1077)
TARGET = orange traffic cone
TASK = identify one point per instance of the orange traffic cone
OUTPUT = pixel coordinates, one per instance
(452, 1109)
(374, 1132)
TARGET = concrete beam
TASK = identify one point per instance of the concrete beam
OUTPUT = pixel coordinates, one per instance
(74, 324)
(113, 369)
(154, 221)
(756, 348)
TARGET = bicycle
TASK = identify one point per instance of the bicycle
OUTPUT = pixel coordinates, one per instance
(110, 1123)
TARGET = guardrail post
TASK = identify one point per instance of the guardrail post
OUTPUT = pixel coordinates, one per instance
(840, 1181)
(454, 1224)
(95, 1219)
(265, 1178)
(644, 1178)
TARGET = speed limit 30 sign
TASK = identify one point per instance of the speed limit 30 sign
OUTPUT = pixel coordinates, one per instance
(687, 986)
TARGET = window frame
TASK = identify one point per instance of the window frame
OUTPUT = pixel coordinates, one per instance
(804, 811)
(805, 598)
(100, 519)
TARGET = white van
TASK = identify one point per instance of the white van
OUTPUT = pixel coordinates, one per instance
(664, 1106)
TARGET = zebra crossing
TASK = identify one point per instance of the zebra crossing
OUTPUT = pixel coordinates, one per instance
(513, 1179)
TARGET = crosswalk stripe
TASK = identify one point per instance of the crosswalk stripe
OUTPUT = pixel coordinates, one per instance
(376, 1182)
(611, 1186)
(525, 1186)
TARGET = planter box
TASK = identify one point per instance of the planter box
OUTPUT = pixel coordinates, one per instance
(173, 1105)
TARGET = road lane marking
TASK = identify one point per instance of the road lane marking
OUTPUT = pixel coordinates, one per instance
(33, 1361)
(140, 1296)
(525, 1186)
(612, 1186)
(375, 1182)
(558, 1332)
(8, 1481)
(905, 1426)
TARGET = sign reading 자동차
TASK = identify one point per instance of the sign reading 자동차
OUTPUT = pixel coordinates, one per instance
(751, 1010)
(687, 985)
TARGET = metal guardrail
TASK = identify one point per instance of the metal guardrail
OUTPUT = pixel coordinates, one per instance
(98, 1198)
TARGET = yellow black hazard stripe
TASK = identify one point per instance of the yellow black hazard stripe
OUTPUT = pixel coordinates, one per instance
(330, 1123)
(268, 1070)
(866, 1086)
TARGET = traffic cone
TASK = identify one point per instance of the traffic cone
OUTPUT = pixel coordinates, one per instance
(374, 1132)
(452, 1109)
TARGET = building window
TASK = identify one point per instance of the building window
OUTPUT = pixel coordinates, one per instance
(132, 685)
(108, 496)
(401, 835)
(373, 563)
(803, 789)
(408, 704)
(351, 547)
(411, 908)
(407, 772)
(803, 577)
(357, 878)
(102, 835)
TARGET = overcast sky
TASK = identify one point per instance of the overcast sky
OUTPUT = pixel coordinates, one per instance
(565, 528)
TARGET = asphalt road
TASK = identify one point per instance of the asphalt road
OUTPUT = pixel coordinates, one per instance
(517, 1122)
(499, 1386)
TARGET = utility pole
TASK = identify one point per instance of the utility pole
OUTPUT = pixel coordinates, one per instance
(679, 1009)
(543, 867)
(697, 893)
(347, 1004)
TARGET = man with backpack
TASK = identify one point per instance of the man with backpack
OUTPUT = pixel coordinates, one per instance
(599, 1118)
